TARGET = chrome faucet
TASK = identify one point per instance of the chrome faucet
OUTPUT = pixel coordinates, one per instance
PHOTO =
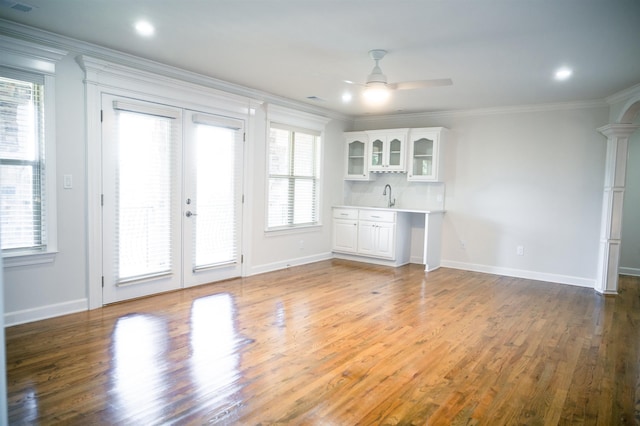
(391, 203)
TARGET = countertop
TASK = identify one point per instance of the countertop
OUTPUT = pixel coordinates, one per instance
(391, 209)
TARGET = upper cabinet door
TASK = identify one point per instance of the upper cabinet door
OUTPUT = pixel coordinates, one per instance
(356, 156)
(387, 150)
(377, 154)
(425, 152)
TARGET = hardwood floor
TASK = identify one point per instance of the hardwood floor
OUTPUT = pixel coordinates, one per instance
(337, 343)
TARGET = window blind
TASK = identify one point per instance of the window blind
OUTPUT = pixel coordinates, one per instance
(217, 223)
(146, 192)
(23, 198)
(293, 177)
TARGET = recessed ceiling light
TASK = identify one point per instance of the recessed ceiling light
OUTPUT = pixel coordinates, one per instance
(346, 97)
(144, 28)
(563, 73)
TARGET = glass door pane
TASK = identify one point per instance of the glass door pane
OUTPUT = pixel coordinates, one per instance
(355, 165)
(141, 166)
(377, 147)
(422, 157)
(212, 207)
(395, 152)
(215, 223)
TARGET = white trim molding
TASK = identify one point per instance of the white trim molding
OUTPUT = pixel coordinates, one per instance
(520, 273)
(44, 312)
(23, 54)
(276, 266)
(634, 272)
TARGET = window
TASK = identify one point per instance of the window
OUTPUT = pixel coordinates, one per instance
(27, 152)
(23, 189)
(294, 175)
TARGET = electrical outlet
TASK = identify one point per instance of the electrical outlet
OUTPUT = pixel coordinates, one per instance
(463, 244)
(301, 244)
(520, 250)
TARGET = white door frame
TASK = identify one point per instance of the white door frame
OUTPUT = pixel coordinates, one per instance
(108, 77)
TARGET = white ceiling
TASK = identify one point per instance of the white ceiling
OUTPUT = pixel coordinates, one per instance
(497, 52)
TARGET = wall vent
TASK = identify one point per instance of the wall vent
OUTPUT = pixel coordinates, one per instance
(20, 7)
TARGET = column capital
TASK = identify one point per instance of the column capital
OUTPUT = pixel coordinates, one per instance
(618, 130)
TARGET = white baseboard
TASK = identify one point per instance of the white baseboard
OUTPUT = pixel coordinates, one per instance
(634, 272)
(44, 312)
(520, 273)
(275, 266)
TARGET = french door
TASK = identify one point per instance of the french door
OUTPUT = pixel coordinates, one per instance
(171, 198)
(212, 200)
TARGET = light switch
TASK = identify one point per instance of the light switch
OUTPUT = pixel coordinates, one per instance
(68, 182)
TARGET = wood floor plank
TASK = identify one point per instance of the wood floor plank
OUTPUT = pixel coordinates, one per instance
(337, 342)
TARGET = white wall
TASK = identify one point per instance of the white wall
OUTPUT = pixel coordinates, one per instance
(530, 177)
(630, 250)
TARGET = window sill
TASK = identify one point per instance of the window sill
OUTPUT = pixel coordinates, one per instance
(292, 230)
(27, 259)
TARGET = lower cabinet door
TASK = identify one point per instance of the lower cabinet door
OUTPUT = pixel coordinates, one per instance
(385, 240)
(345, 236)
(366, 238)
(377, 239)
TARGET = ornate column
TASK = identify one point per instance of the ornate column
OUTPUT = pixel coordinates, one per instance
(614, 185)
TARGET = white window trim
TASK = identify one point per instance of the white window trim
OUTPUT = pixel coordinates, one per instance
(34, 58)
(302, 120)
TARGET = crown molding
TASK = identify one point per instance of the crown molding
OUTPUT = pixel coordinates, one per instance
(23, 54)
(82, 48)
(476, 112)
(623, 95)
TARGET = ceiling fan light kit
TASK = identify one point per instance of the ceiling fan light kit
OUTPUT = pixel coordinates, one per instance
(376, 93)
(377, 90)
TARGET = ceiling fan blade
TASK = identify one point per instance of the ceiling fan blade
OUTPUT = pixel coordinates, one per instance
(421, 84)
(353, 83)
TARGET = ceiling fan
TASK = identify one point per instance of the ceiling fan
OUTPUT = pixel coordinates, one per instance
(377, 89)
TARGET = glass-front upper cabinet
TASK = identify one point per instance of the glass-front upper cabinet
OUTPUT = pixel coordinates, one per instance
(387, 150)
(357, 154)
(425, 148)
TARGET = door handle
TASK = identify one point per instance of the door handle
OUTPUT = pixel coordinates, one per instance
(189, 214)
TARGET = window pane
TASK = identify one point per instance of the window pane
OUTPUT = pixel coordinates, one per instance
(20, 207)
(19, 113)
(215, 226)
(144, 195)
(278, 202)
(279, 152)
(304, 205)
(304, 155)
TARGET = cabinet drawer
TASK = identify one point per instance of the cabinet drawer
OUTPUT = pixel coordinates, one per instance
(377, 215)
(345, 213)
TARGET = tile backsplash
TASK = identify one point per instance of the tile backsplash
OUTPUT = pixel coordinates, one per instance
(408, 195)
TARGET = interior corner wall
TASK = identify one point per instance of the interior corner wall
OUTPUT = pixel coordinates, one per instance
(278, 250)
(630, 247)
(531, 178)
